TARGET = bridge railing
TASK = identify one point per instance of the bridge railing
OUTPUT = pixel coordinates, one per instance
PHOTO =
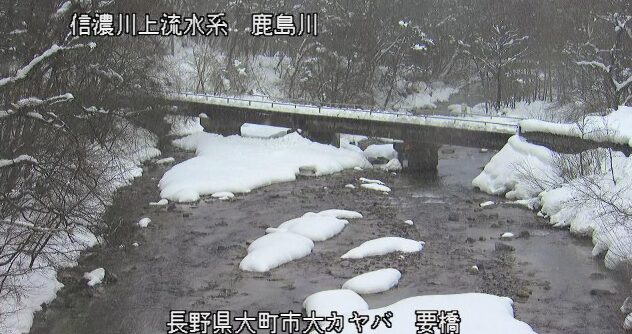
(265, 100)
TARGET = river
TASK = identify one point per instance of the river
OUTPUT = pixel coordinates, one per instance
(188, 257)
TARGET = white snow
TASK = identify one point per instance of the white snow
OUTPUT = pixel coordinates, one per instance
(374, 281)
(408, 222)
(275, 249)
(294, 239)
(238, 165)
(392, 166)
(383, 246)
(504, 174)
(421, 100)
(95, 277)
(165, 161)
(507, 235)
(183, 125)
(343, 301)
(350, 186)
(161, 202)
(316, 227)
(342, 214)
(144, 222)
(19, 159)
(262, 131)
(365, 180)
(380, 151)
(376, 187)
(615, 127)
(223, 195)
(487, 203)
(480, 313)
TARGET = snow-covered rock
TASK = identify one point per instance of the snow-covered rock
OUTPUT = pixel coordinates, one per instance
(365, 180)
(314, 226)
(408, 222)
(275, 249)
(376, 187)
(95, 277)
(384, 245)
(144, 222)
(342, 301)
(487, 203)
(374, 281)
(386, 151)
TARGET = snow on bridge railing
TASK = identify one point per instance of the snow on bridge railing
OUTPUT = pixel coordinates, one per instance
(510, 126)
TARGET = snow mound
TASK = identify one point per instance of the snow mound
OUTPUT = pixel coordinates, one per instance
(374, 281)
(408, 222)
(502, 175)
(486, 204)
(314, 226)
(275, 249)
(383, 246)
(386, 151)
(392, 166)
(376, 187)
(480, 313)
(95, 277)
(238, 165)
(144, 222)
(342, 301)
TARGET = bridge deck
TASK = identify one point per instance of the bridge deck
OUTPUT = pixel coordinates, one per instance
(468, 130)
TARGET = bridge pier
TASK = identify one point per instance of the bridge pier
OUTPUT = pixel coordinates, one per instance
(323, 137)
(224, 128)
(418, 157)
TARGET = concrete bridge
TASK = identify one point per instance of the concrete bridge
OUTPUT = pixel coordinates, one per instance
(422, 135)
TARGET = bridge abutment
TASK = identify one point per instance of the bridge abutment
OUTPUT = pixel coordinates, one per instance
(323, 137)
(418, 157)
(224, 128)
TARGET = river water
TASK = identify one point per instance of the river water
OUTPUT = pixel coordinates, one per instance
(188, 257)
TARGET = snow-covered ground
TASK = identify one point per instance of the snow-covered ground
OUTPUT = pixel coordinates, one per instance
(41, 285)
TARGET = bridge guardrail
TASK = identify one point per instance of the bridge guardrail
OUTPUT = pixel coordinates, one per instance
(266, 100)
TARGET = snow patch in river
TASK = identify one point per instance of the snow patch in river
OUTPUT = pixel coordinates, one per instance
(383, 246)
(238, 165)
(374, 281)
